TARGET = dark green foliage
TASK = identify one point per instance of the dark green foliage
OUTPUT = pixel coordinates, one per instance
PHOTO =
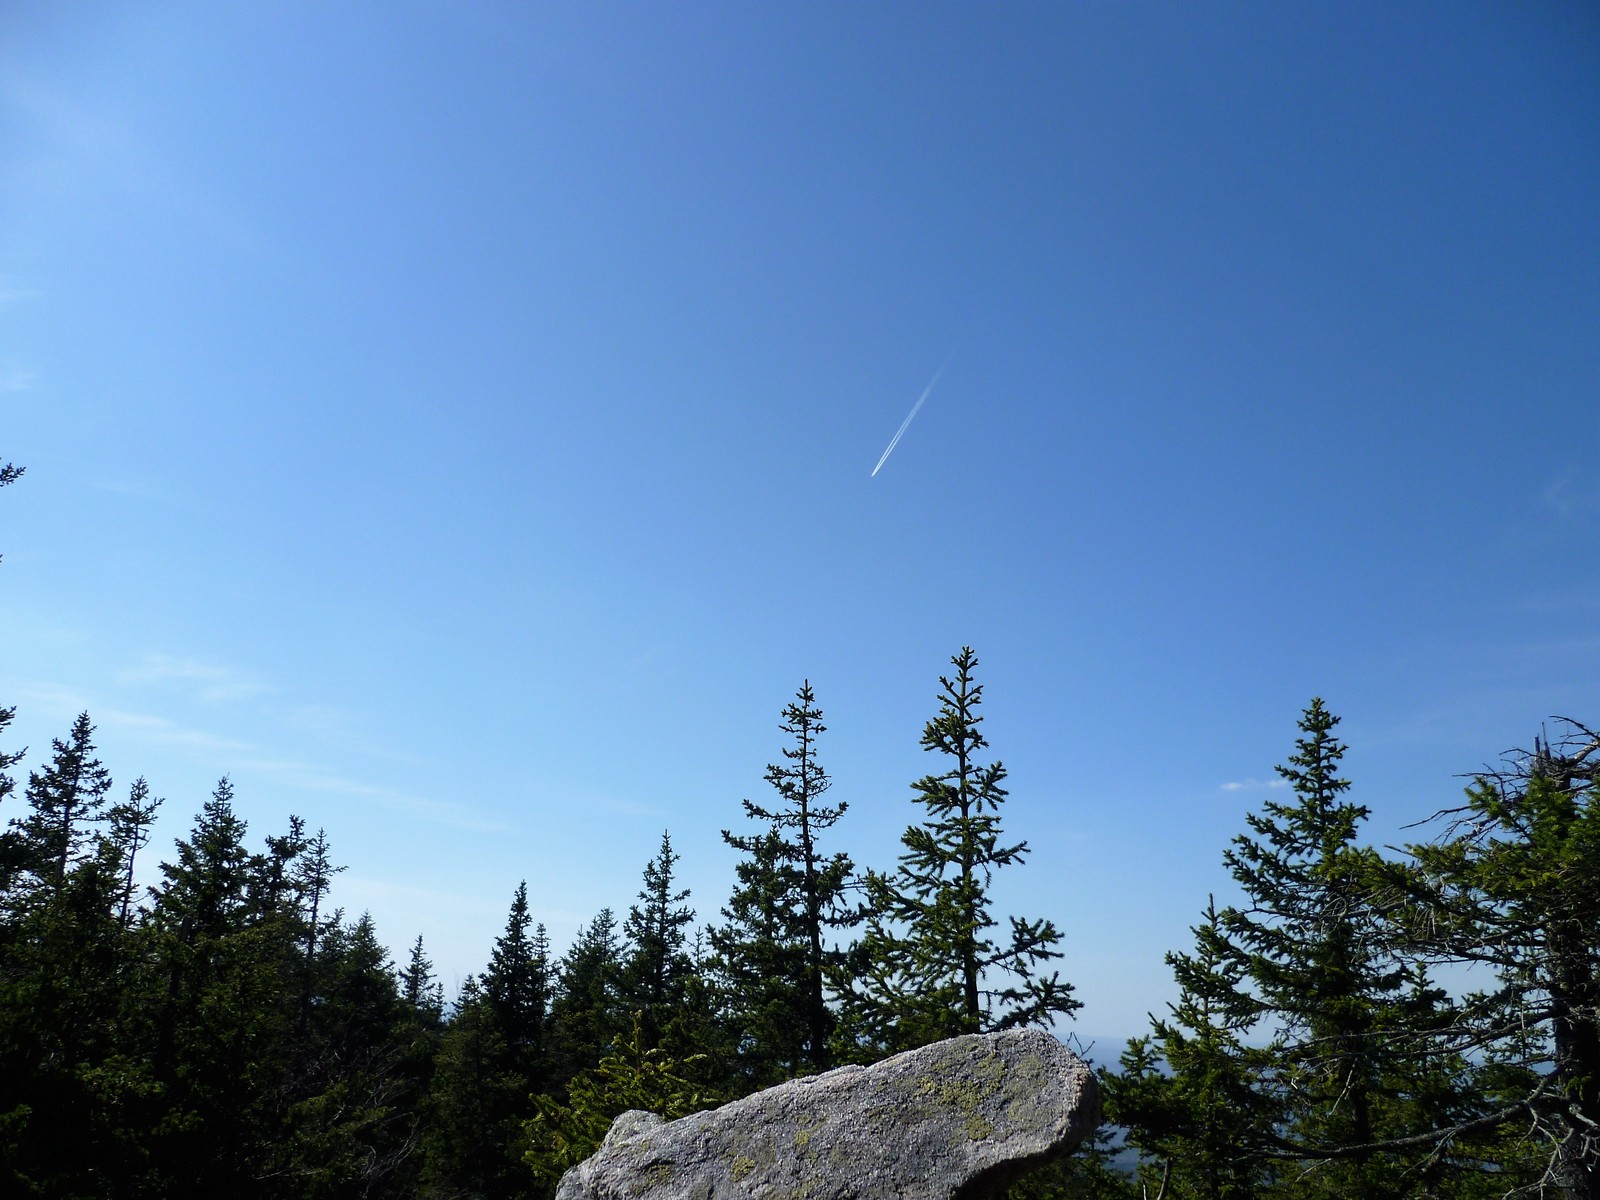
(1298, 1058)
(353, 1128)
(13, 845)
(516, 987)
(233, 1034)
(1512, 886)
(771, 957)
(927, 966)
(66, 797)
(492, 1058)
(61, 1078)
(633, 1076)
(420, 990)
(587, 1014)
(130, 824)
(1187, 1093)
(657, 967)
(1309, 943)
(222, 992)
(761, 967)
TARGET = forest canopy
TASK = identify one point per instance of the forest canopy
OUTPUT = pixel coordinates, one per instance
(229, 1031)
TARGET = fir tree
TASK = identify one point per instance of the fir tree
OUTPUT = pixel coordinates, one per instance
(634, 1076)
(350, 1127)
(1512, 886)
(657, 965)
(760, 964)
(492, 1058)
(130, 824)
(67, 797)
(772, 952)
(1313, 950)
(517, 985)
(588, 1012)
(465, 1148)
(422, 992)
(13, 846)
(222, 1006)
(927, 966)
(311, 877)
(1187, 1094)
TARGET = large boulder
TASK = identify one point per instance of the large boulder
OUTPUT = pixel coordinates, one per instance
(956, 1120)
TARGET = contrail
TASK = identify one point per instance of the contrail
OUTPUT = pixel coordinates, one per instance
(906, 424)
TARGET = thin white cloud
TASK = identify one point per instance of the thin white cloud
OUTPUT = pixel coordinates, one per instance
(112, 153)
(207, 682)
(14, 378)
(234, 755)
(1571, 495)
(12, 293)
(54, 699)
(1252, 785)
(169, 733)
(312, 778)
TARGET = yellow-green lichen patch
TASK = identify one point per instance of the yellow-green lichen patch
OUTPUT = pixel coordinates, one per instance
(965, 1093)
(1026, 1085)
(741, 1167)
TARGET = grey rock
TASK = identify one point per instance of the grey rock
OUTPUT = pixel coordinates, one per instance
(956, 1120)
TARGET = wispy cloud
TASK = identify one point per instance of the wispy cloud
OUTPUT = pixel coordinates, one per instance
(113, 153)
(14, 293)
(1572, 494)
(1252, 785)
(313, 778)
(14, 378)
(170, 733)
(207, 682)
(371, 892)
(54, 699)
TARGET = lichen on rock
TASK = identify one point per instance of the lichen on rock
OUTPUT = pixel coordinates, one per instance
(951, 1121)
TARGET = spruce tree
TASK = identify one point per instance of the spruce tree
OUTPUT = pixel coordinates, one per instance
(13, 846)
(465, 1144)
(493, 1057)
(772, 952)
(130, 823)
(1188, 1094)
(67, 797)
(1512, 886)
(423, 993)
(588, 1012)
(350, 1123)
(927, 966)
(657, 964)
(65, 1092)
(760, 966)
(1313, 949)
(517, 986)
(222, 1005)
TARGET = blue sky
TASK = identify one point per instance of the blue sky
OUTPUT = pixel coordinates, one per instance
(454, 422)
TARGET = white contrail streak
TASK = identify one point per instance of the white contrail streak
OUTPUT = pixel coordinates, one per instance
(912, 415)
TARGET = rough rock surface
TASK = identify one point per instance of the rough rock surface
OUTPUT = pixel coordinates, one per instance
(952, 1121)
